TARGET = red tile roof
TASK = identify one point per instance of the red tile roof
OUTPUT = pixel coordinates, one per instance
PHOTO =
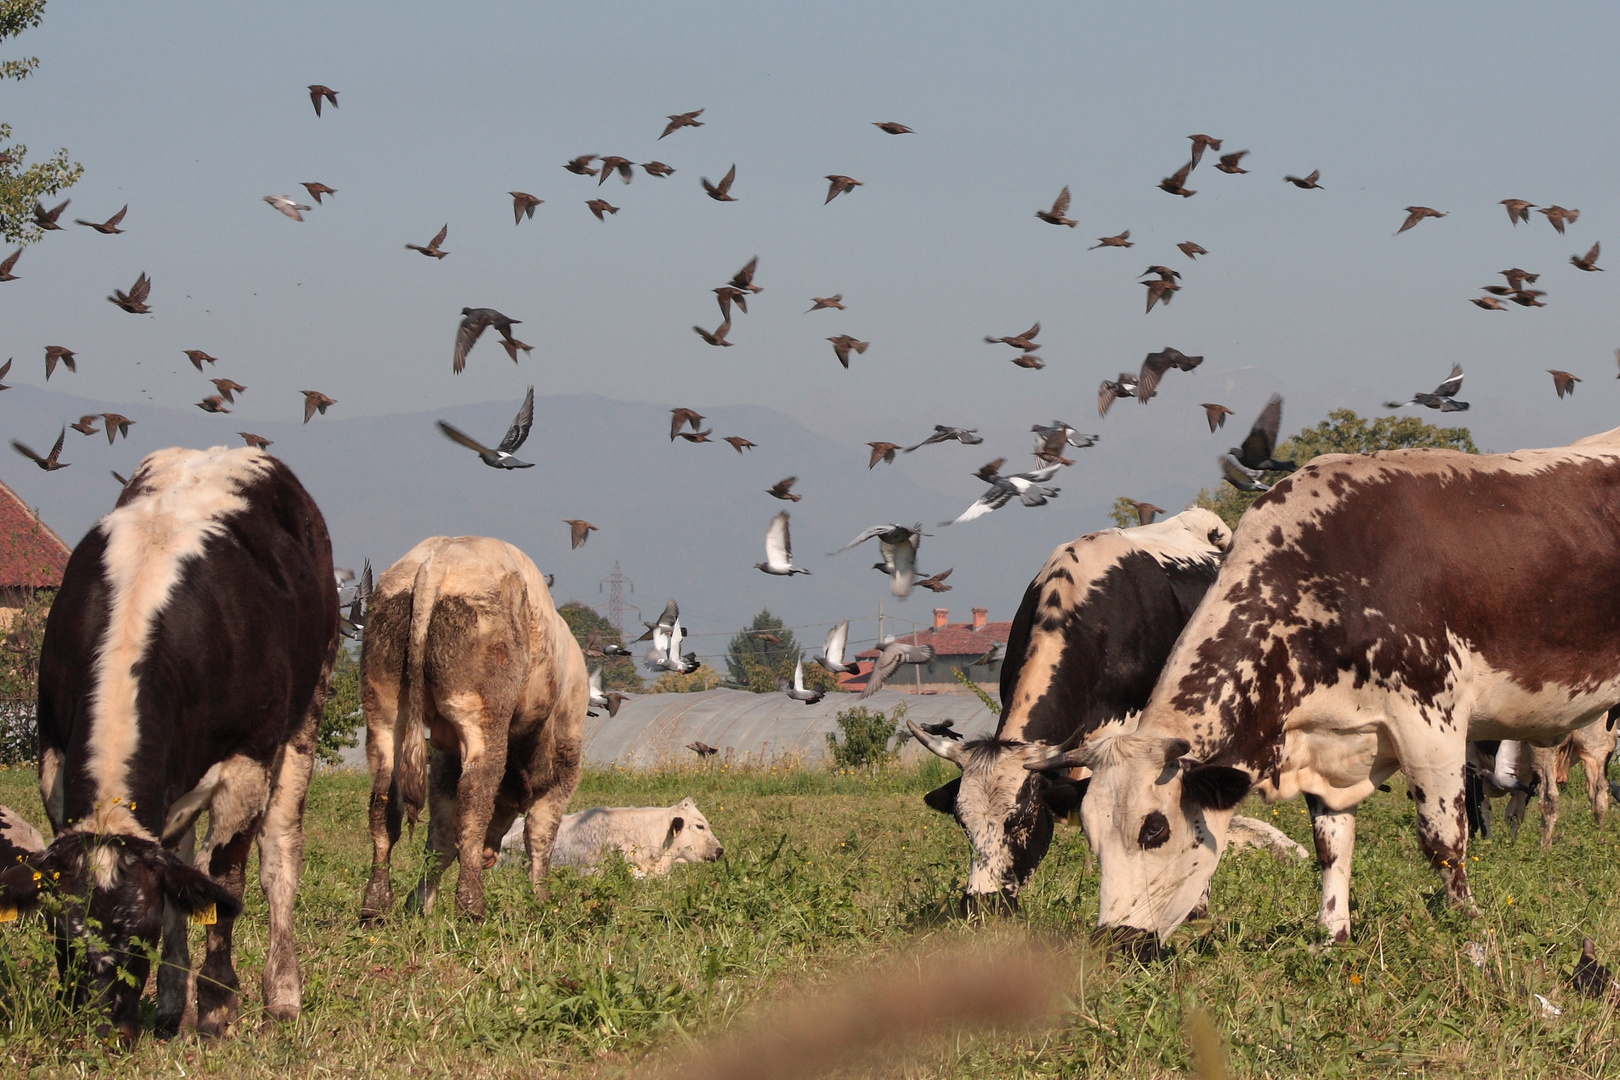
(31, 554)
(953, 640)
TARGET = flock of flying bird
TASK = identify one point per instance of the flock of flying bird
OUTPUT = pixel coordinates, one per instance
(1243, 466)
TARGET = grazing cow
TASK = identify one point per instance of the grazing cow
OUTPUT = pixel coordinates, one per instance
(464, 647)
(1375, 613)
(1086, 646)
(652, 838)
(1593, 745)
(184, 668)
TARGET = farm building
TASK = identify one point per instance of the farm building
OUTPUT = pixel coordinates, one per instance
(32, 556)
(963, 646)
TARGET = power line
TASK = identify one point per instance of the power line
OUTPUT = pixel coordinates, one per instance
(616, 605)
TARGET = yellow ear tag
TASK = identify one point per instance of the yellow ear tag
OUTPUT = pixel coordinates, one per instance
(8, 912)
(204, 916)
(1073, 819)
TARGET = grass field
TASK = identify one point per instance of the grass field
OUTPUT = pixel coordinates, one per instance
(827, 873)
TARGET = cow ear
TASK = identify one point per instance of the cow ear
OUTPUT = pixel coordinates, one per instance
(21, 885)
(1062, 795)
(676, 824)
(943, 798)
(1175, 750)
(1214, 787)
(191, 890)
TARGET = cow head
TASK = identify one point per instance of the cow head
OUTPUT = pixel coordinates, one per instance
(103, 896)
(1005, 809)
(689, 838)
(1157, 820)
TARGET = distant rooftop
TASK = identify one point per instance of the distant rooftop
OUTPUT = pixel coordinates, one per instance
(31, 554)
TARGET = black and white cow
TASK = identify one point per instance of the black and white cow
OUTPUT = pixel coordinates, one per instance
(1089, 640)
(184, 668)
(1375, 613)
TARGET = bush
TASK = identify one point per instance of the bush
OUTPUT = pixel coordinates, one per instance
(340, 723)
(867, 738)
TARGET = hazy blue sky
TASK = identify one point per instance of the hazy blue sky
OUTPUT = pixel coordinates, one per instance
(190, 112)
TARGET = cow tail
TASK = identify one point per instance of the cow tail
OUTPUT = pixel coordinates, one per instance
(410, 735)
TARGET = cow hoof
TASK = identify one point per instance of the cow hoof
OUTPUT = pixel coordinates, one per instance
(214, 1025)
(284, 1013)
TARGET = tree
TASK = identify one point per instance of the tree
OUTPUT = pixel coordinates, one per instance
(21, 184)
(619, 672)
(342, 719)
(704, 678)
(761, 651)
(1343, 432)
(1123, 512)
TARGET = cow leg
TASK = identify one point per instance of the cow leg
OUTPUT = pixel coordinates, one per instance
(444, 778)
(557, 775)
(1335, 835)
(176, 1008)
(281, 863)
(385, 815)
(1546, 770)
(483, 763)
(1442, 820)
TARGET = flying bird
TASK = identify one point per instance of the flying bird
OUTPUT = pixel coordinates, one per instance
(1528, 298)
(881, 451)
(897, 546)
(681, 120)
(1588, 261)
(717, 336)
(1257, 449)
(55, 353)
(843, 343)
(598, 646)
(783, 489)
(1154, 367)
(609, 700)
(945, 433)
(1161, 289)
(87, 425)
(198, 358)
(834, 650)
(1145, 511)
(600, 207)
(1199, 144)
(316, 189)
(5, 370)
(1415, 214)
(46, 219)
(1060, 207)
(612, 164)
(1071, 437)
(1229, 162)
(1443, 398)
(432, 250)
(1239, 477)
(134, 301)
(991, 469)
(214, 404)
(666, 620)
(115, 423)
(889, 660)
(699, 747)
(738, 443)
(287, 206)
(258, 442)
(1112, 389)
(1176, 182)
(1306, 182)
(318, 92)
(681, 417)
(1029, 488)
(1029, 360)
(892, 128)
(838, 184)
(1558, 217)
(936, 582)
(726, 295)
(658, 169)
(501, 456)
(1024, 342)
(49, 462)
(315, 402)
(474, 321)
(578, 532)
(1215, 414)
(352, 624)
(1518, 210)
(744, 278)
(1563, 381)
(1123, 240)
(797, 690)
(697, 436)
(666, 654)
(1517, 279)
(779, 549)
(108, 227)
(1191, 250)
(11, 261)
(581, 166)
(817, 303)
(722, 191)
(123, 481)
(1489, 303)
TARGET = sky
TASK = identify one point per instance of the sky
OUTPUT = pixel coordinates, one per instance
(190, 112)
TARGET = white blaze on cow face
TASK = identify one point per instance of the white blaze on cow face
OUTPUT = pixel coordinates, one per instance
(184, 497)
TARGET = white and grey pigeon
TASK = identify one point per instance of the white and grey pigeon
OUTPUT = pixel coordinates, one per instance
(779, 549)
(889, 660)
(665, 654)
(500, 457)
(797, 691)
(598, 699)
(671, 612)
(353, 625)
(1239, 475)
(1077, 439)
(1444, 397)
(945, 433)
(1029, 487)
(898, 544)
(287, 206)
(831, 656)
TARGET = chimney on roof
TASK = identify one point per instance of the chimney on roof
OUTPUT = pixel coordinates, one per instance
(979, 616)
(941, 617)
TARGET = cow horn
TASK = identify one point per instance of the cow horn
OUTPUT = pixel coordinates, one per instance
(1068, 759)
(949, 749)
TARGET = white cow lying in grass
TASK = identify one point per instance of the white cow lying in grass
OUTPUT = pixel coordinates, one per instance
(652, 838)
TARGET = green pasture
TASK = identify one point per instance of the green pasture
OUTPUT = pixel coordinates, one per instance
(826, 874)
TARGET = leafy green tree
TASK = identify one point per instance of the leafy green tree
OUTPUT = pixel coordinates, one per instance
(1343, 432)
(1123, 512)
(22, 184)
(760, 651)
(868, 735)
(343, 717)
(618, 673)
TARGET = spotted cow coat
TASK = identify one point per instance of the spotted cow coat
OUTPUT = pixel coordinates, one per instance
(1086, 647)
(1375, 613)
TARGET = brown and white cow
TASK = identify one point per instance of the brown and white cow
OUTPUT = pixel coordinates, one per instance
(184, 668)
(1086, 647)
(1374, 614)
(463, 646)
